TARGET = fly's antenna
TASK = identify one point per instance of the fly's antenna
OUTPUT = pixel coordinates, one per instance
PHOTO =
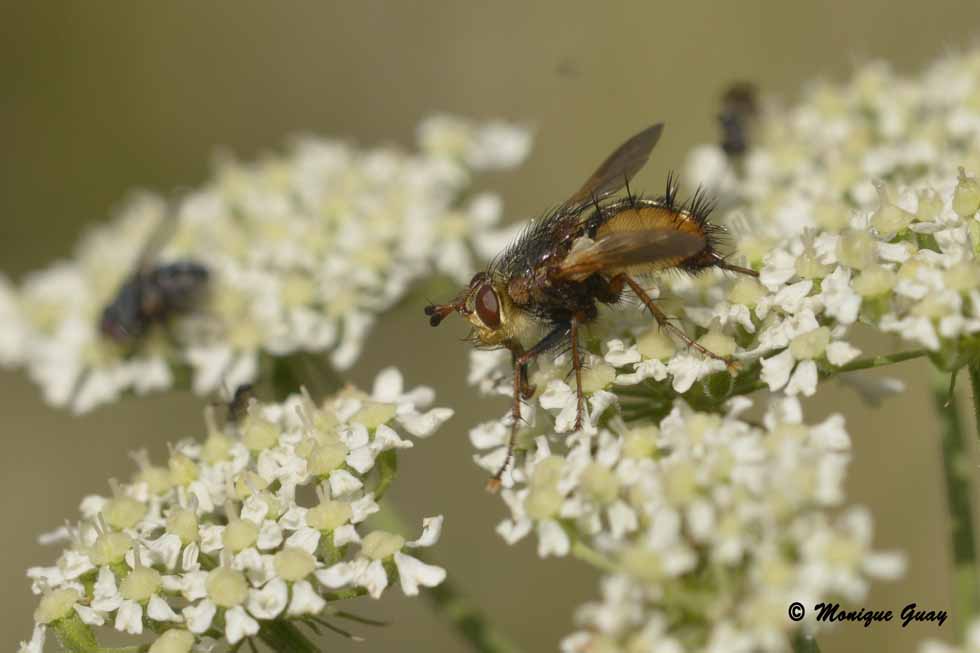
(438, 312)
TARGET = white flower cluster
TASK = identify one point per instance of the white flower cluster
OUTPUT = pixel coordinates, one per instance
(895, 247)
(216, 543)
(807, 164)
(855, 207)
(303, 252)
(971, 645)
(707, 525)
(860, 204)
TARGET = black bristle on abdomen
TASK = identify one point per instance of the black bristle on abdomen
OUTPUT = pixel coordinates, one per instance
(700, 206)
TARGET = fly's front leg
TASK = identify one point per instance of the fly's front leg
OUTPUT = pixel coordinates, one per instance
(527, 390)
(554, 337)
(664, 322)
(577, 366)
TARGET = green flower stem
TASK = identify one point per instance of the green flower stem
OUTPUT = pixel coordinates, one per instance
(803, 643)
(284, 636)
(973, 370)
(746, 384)
(469, 620)
(663, 397)
(387, 463)
(881, 361)
(344, 594)
(446, 599)
(288, 374)
(74, 635)
(956, 467)
(585, 553)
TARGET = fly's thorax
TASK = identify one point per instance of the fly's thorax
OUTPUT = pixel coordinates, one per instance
(579, 251)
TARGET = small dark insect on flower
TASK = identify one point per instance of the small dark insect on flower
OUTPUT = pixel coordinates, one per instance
(153, 293)
(536, 295)
(238, 404)
(739, 109)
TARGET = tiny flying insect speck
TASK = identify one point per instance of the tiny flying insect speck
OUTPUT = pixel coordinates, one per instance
(153, 293)
(536, 295)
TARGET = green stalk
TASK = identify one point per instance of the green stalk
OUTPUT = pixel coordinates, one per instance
(749, 383)
(284, 636)
(881, 361)
(956, 467)
(469, 621)
(974, 371)
(387, 464)
(587, 554)
(446, 599)
(803, 643)
(74, 635)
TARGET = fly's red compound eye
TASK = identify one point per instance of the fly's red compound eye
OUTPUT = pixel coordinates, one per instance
(487, 306)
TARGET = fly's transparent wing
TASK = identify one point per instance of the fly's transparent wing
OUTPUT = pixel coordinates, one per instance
(625, 249)
(618, 168)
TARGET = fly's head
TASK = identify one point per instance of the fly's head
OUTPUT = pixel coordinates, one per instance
(486, 306)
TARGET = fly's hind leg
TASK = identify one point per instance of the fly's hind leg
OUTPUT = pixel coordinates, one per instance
(731, 267)
(663, 321)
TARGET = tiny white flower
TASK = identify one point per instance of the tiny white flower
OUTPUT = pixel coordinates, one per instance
(268, 601)
(305, 600)
(198, 616)
(412, 572)
(238, 625)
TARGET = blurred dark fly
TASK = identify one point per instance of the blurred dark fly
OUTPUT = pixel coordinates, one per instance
(536, 295)
(238, 404)
(739, 109)
(153, 293)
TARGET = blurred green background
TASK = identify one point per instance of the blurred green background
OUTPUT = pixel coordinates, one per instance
(99, 98)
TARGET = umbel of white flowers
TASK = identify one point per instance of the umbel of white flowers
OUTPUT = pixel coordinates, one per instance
(859, 206)
(706, 525)
(219, 528)
(304, 252)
